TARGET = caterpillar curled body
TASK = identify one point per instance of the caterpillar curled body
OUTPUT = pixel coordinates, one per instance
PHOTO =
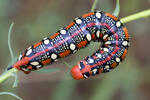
(93, 26)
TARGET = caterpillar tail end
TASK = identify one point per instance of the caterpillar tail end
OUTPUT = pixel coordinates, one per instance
(10, 67)
(76, 73)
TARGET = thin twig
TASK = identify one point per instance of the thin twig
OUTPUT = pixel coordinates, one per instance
(139, 15)
(9, 43)
(117, 9)
(7, 74)
(9, 93)
(94, 5)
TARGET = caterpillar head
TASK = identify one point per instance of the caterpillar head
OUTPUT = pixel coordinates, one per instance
(76, 73)
(80, 71)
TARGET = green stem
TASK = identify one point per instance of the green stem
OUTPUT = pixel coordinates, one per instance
(94, 5)
(142, 14)
(7, 74)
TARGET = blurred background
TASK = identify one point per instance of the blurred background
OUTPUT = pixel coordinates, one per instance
(36, 19)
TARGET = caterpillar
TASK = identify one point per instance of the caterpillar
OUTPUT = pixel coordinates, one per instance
(93, 26)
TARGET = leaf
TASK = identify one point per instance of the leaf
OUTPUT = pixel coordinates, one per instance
(117, 9)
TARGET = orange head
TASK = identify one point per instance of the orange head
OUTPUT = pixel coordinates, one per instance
(76, 73)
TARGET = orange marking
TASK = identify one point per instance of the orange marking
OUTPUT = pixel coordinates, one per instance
(87, 68)
(88, 14)
(100, 70)
(56, 34)
(26, 72)
(37, 44)
(22, 62)
(106, 45)
(82, 44)
(45, 62)
(70, 25)
(90, 72)
(113, 65)
(106, 39)
(102, 52)
(23, 54)
(29, 67)
(126, 33)
(100, 35)
(65, 53)
(46, 50)
(110, 15)
(124, 54)
(93, 36)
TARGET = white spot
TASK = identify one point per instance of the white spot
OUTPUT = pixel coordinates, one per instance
(25, 69)
(72, 46)
(53, 56)
(46, 41)
(124, 43)
(128, 43)
(108, 42)
(118, 24)
(29, 52)
(39, 66)
(78, 21)
(79, 66)
(45, 38)
(20, 56)
(29, 48)
(56, 60)
(63, 31)
(35, 63)
(105, 36)
(88, 36)
(107, 67)
(90, 60)
(98, 15)
(119, 63)
(106, 49)
(74, 51)
(85, 76)
(98, 33)
(94, 70)
(98, 55)
(117, 59)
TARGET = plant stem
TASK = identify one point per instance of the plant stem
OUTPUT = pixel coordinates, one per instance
(9, 43)
(11, 94)
(142, 14)
(7, 74)
(117, 9)
(94, 5)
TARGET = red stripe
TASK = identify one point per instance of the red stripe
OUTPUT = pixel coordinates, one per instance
(75, 34)
(114, 52)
